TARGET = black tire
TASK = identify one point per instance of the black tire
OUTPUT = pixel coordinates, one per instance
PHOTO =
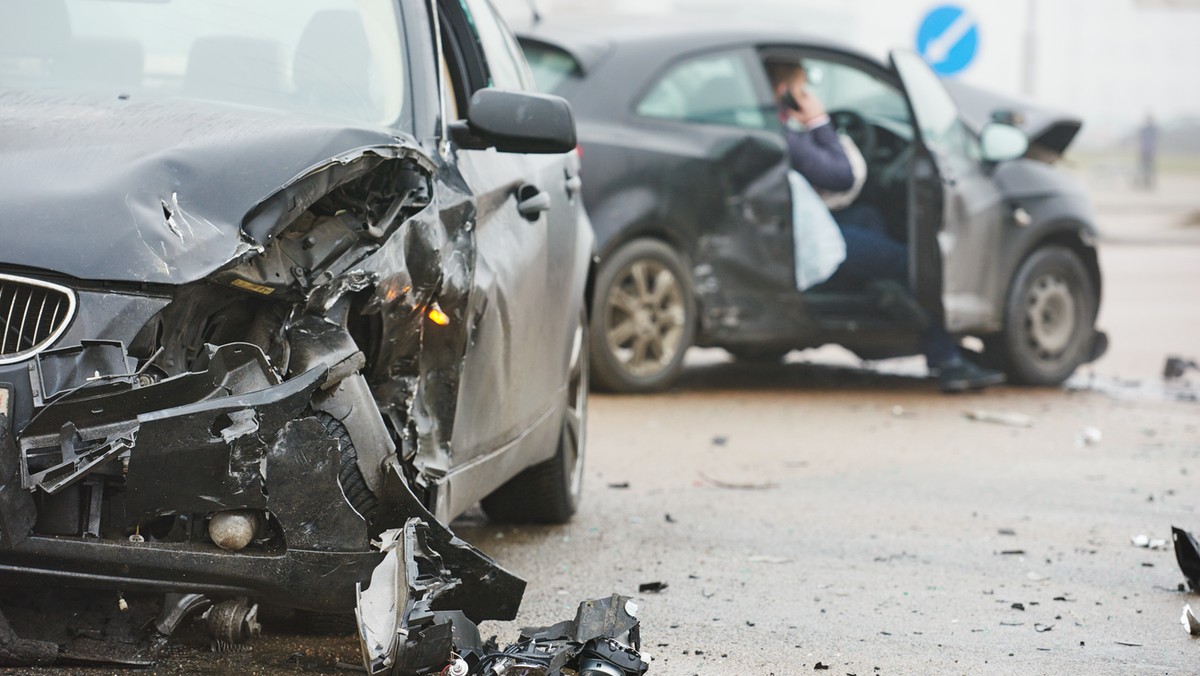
(549, 492)
(354, 486)
(640, 330)
(1049, 319)
(758, 355)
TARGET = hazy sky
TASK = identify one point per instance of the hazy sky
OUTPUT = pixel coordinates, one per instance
(1109, 61)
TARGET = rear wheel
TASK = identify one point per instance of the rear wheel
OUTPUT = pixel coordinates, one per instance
(1049, 319)
(549, 492)
(643, 318)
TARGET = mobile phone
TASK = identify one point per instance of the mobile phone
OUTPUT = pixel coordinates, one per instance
(790, 101)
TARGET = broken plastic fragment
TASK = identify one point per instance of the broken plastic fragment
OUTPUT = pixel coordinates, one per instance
(1190, 623)
(1000, 418)
(1187, 554)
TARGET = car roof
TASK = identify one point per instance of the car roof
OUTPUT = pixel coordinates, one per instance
(589, 40)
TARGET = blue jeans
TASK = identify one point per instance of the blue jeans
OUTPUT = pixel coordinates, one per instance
(871, 254)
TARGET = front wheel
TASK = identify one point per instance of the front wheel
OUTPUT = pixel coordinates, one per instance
(643, 318)
(1050, 317)
(549, 492)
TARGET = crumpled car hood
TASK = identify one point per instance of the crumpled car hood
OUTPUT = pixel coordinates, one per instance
(153, 190)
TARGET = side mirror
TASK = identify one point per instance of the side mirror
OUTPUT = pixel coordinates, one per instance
(1002, 142)
(516, 122)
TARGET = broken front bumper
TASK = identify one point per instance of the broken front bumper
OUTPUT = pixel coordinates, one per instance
(117, 482)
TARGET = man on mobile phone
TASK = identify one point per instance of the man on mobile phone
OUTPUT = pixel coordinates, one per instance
(816, 153)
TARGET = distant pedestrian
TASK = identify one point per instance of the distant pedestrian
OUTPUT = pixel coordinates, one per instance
(1147, 152)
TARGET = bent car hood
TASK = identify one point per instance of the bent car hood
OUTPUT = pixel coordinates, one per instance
(1049, 129)
(152, 190)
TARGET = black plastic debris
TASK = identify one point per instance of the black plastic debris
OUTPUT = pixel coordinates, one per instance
(651, 587)
(1187, 553)
(619, 484)
(1176, 367)
(820, 667)
(1018, 606)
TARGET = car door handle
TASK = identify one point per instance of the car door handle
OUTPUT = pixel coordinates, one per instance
(532, 202)
(574, 184)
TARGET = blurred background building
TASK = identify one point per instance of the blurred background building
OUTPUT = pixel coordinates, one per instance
(1111, 62)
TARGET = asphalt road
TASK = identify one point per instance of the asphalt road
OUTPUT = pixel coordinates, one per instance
(881, 531)
(830, 512)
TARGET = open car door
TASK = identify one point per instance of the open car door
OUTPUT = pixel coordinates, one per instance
(956, 213)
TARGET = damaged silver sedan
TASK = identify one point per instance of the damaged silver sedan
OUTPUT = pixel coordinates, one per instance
(275, 279)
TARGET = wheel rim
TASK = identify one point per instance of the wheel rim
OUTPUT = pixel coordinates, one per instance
(644, 318)
(1050, 316)
(575, 427)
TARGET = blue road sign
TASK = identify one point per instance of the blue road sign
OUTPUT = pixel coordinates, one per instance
(948, 39)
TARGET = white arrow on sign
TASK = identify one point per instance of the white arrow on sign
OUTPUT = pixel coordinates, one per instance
(939, 48)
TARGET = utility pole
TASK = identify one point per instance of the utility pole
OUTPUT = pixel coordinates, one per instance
(1029, 64)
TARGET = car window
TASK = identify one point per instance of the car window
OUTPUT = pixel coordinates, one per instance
(341, 58)
(942, 128)
(551, 66)
(506, 63)
(710, 89)
(844, 87)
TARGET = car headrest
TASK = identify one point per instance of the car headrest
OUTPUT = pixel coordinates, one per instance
(102, 61)
(33, 28)
(233, 68)
(332, 61)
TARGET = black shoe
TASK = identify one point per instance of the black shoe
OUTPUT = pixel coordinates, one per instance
(960, 375)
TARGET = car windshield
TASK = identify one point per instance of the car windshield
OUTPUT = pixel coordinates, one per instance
(338, 58)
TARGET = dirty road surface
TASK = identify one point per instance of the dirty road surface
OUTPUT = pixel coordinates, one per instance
(825, 513)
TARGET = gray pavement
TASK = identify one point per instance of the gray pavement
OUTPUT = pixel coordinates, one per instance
(886, 533)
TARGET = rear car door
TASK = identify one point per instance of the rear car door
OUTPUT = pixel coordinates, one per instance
(956, 211)
(728, 193)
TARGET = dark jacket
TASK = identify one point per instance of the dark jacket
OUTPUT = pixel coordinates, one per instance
(818, 155)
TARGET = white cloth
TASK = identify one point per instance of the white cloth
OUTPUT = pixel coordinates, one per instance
(817, 240)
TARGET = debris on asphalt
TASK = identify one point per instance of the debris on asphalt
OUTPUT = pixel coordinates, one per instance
(1187, 553)
(1126, 643)
(820, 667)
(1012, 552)
(1090, 436)
(669, 519)
(1018, 606)
(1036, 577)
(1176, 367)
(651, 587)
(768, 559)
(1006, 531)
(1043, 628)
(619, 484)
(720, 440)
(400, 631)
(1145, 542)
(1189, 621)
(1008, 418)
(717, 483)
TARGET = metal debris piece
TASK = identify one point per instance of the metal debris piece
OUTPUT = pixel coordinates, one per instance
(1187, 553)
(1008, 418)
(1190, 623)
(652, 587)
(1090, 436)
(769, 559)
(1145, 542)
(739, 486)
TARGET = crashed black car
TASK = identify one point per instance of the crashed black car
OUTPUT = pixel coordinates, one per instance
(687, 187)
(276, 278)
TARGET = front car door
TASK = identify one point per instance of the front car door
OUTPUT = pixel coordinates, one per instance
(727, 193)
(509, 402)
(956, 211)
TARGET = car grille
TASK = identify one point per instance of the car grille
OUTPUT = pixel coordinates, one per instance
(33, 314)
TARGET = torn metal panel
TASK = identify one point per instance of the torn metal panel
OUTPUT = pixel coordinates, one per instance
(154, 176)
